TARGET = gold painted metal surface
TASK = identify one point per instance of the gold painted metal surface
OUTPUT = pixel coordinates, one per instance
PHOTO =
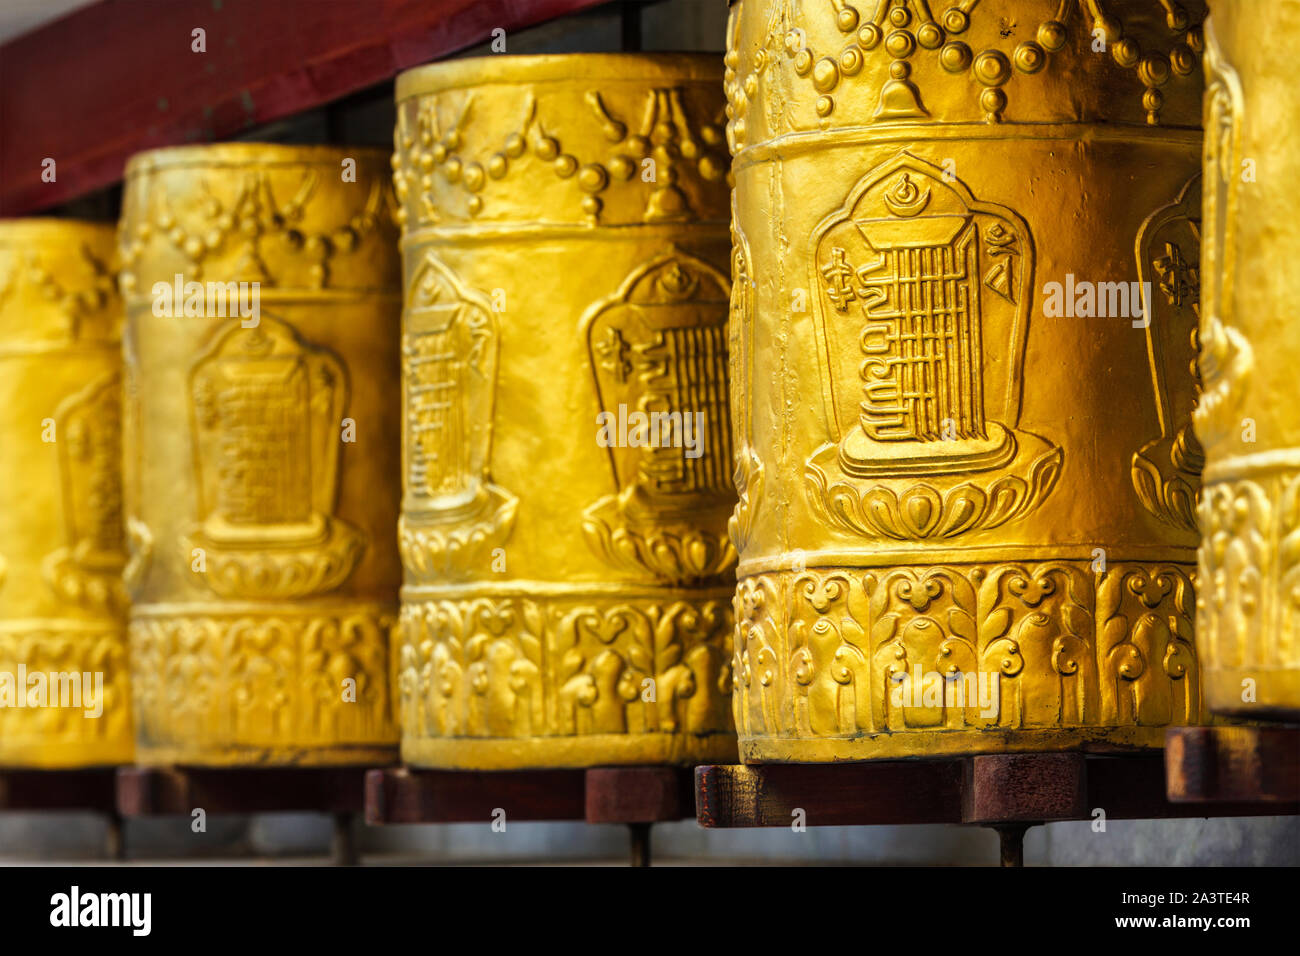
(62, 606)
(565, 251)
(956, 474)
(262, 454)
(1249, 420)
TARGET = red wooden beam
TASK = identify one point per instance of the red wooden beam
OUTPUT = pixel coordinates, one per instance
(120, 76)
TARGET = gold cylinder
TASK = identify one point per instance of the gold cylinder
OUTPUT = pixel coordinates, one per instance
(261, 453)
(1248, 418)
(964, 319)
(565, 246)
(64, 696)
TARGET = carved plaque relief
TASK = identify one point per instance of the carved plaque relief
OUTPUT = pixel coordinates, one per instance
(658, 349)
(267, 408)
(923, 307)
(452, 514)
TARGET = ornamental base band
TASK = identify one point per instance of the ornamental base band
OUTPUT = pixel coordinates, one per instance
(221, 686)
(927, 661)
(64, 694)
(534, 680)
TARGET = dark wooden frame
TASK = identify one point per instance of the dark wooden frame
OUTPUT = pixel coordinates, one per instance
(178, 791)
(636, 797)
(79, 790)
(1007, 792)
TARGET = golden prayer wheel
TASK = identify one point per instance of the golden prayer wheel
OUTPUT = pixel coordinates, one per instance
(964, 320)
(261, 453)
(1248, 419)
(64, 698)
(566, 462)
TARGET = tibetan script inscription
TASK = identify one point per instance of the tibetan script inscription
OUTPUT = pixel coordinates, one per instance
(911, 267)
(452, 514)
(658, 353)
(267, 408)
(923, 312)
(88, 569)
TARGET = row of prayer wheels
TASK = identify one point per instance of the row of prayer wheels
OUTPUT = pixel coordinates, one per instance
(937, 322)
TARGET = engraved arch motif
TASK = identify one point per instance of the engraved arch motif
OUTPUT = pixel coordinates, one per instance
(87, 569)
(1226, 355)
(452, 513)
(740, 319)
(139, 538)
(922, 314)
(266, 407)
(748, 467)
(1248, 619)
(1166, 471)
(931, 287)
(658, 353)
(449, 357)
